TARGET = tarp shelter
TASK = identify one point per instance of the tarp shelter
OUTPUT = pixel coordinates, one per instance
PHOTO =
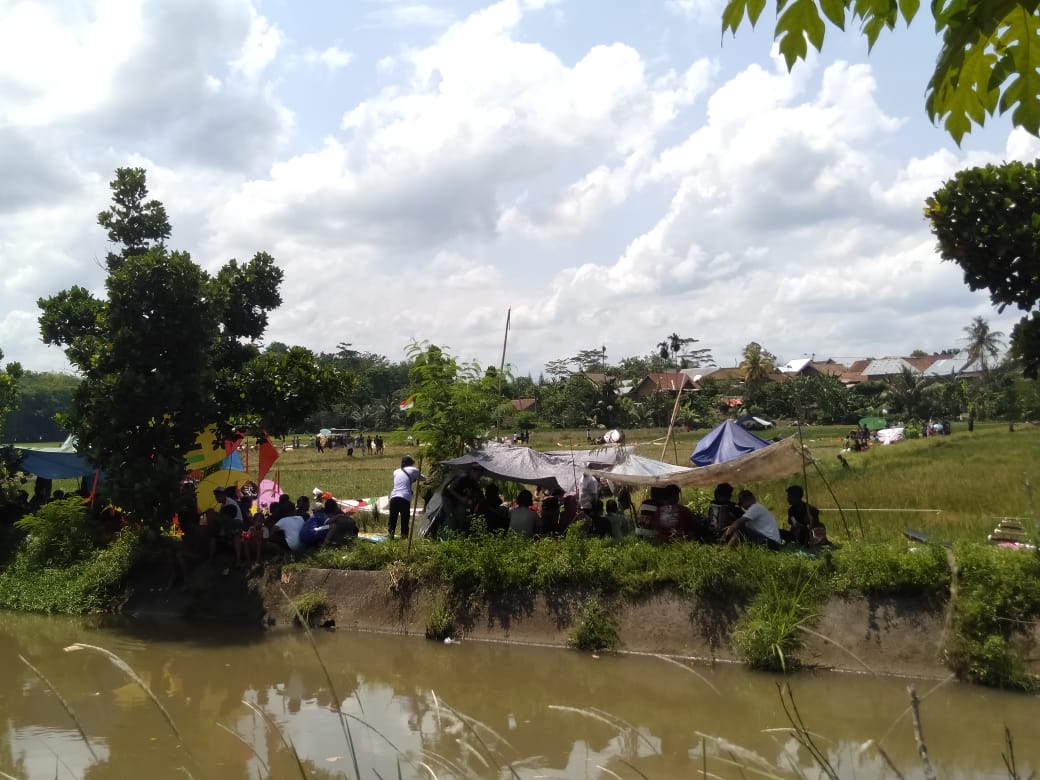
(890, 435)
(546, 470)
(772, 461)
(751, 423)
(872, 423)
(54, 462)
(727, 441)
(521, 464)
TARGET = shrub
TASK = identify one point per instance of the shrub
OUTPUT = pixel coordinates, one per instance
(595, 630)
(997, 597)
(441, 623)
(308, 607)
(769, 632)
(60, 533)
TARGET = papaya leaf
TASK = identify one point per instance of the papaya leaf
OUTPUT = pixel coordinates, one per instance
(733, 15)
(1018, 39)
(754, 10)
(909, 9)
(799, 21)
(834, 10)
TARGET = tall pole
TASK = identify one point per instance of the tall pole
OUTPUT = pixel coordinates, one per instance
(502, 367)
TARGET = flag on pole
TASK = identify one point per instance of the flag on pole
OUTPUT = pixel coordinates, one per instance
(268, 455)
(407, 403)
(231, 443)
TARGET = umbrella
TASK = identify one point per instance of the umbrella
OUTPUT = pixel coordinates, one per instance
(873, 423)
(229, 473)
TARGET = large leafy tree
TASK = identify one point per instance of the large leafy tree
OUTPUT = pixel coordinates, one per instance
(9, 379)
(167, 351)
(984, 220)
(987, 62)
(455, 404)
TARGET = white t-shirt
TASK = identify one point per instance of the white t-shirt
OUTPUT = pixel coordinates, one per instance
(761, 521)
(589, 491)
(291, 527)
(403, 479)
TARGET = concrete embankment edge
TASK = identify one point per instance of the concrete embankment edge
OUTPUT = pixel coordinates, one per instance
(888, 636)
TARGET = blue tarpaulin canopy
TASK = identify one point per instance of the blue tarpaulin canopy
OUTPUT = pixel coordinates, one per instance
(726, 442)
(54, 462)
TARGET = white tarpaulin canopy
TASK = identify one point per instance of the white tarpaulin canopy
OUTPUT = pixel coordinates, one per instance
(522, 464)
(777, 460)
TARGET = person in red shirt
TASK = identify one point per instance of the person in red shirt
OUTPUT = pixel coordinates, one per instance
(675, 522)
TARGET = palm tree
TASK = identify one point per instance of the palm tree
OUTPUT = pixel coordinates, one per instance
(675, 346)
(756, 368)
(912, 393)
(983, 344)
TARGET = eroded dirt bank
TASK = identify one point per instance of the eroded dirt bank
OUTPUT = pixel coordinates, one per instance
(889, 636)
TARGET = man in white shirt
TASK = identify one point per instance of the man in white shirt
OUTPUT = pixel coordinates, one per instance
(290, 527)
(756, 526)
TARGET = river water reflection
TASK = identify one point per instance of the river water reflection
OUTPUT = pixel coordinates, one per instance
(469, 709)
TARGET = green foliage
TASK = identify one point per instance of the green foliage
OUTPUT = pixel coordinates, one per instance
(987, 63)
(9, 381)
(455, 405)
(769, 633)
(595, 630)
(165, 353)
(441, 623)
(94, 582)
(889, 570)
(984, 220)
(309, 606)
(756, 366)
(59, 534)
(42, 396)
(998, 598)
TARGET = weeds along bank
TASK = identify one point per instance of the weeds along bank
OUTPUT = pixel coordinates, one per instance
(771, 611)
(972, 609)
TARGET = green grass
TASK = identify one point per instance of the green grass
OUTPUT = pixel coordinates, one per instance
(967, 480)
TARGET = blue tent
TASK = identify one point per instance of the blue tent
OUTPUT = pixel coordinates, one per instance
(54, 462)
(726, 442)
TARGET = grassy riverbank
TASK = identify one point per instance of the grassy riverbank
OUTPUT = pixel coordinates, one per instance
(953, 488)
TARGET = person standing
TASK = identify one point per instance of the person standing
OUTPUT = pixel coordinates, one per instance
(401, 496)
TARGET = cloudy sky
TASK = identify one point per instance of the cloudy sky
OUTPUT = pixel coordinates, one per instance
(613, 171)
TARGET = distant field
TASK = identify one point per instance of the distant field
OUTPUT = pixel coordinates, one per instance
(964, 480)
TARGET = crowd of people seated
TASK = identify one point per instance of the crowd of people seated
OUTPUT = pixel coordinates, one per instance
(661, 517)
(242, 529)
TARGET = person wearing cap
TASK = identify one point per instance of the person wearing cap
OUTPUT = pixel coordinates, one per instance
(401, 496)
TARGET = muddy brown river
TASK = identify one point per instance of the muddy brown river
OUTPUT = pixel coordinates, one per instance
(241, 703)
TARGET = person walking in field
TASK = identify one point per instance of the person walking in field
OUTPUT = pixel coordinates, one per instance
(401, 496)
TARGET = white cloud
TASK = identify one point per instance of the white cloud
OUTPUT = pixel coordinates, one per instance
(260, 47)
(333, 58)
(607, 189)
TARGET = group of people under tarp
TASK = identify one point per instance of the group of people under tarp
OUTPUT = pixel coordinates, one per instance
(749, 522)
(467, 505)
(661, 517)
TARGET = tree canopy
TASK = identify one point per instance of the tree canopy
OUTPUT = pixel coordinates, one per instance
(985, 221)
(170, 350)
(987, 62)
